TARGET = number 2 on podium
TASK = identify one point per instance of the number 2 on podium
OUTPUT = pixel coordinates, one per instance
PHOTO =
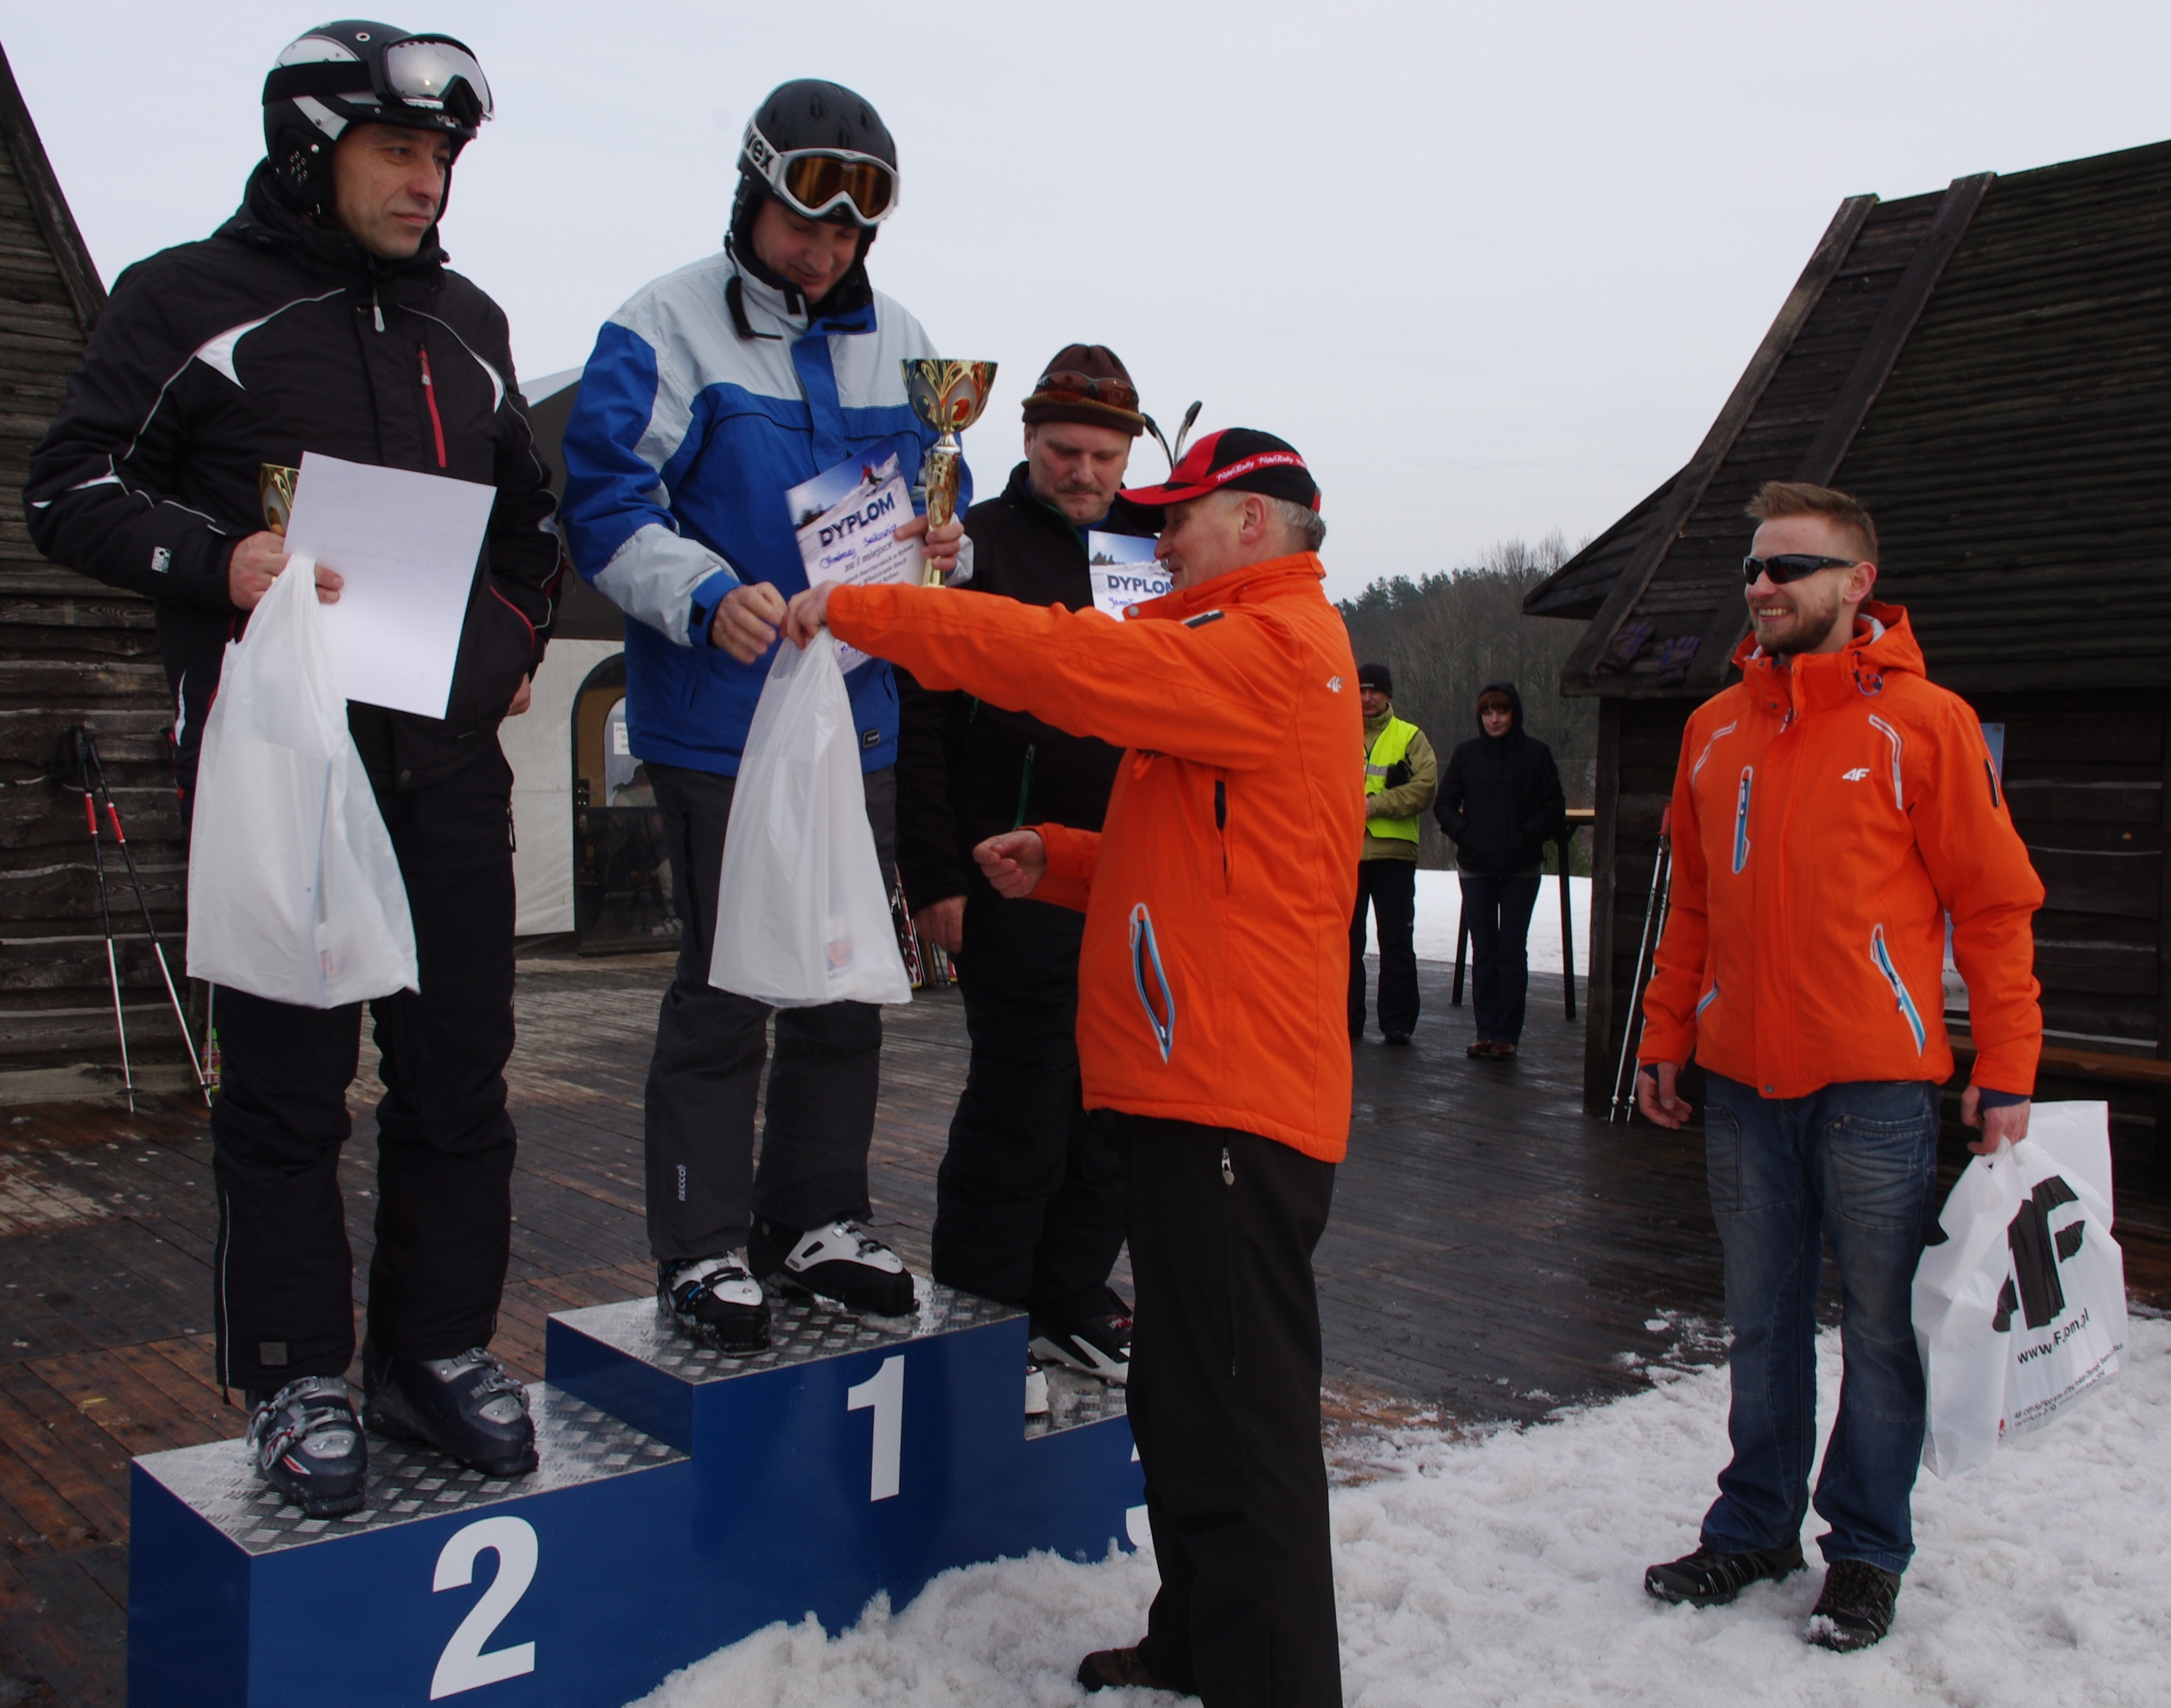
(464, 1666)
(883, 1391)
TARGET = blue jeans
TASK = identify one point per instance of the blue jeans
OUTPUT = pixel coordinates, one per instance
(1857, 1161)
(1498, 910)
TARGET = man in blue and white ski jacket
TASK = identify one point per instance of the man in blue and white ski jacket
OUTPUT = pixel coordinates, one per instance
(712, 393)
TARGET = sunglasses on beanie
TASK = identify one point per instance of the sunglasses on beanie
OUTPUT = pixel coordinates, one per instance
(1086, 388)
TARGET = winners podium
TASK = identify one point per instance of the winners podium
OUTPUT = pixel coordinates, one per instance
(684, 1499)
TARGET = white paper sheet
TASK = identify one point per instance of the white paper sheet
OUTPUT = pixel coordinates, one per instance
(847, 518)
(1123, 570)
(406, 544)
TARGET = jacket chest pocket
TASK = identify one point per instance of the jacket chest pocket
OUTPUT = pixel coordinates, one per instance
(437, 404)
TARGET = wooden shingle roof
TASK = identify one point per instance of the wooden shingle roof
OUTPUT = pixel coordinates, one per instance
(1988, 369)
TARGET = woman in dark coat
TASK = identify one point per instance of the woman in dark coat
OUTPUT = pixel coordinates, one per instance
(1499, 801)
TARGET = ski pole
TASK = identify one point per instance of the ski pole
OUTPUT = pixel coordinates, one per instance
(143, 902)
(1647, 949)
(105, 917)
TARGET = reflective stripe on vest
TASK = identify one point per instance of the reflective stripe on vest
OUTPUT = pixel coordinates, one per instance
(1387, 752)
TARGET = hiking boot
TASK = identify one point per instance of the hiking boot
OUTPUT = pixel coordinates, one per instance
(468, 1408)
(1855, 1610)
(1099, 1345)
(842, 1261)
(715, 1299)
(1709, 1579)
(1120, 1669)
(308, 1444)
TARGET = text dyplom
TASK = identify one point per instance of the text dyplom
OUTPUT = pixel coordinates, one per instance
(847, 518)
(1124, 571)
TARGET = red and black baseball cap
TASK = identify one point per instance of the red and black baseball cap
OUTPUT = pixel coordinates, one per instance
(1235, 460)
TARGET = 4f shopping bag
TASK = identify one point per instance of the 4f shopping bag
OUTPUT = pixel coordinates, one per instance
(2020, 1311)
(294, 891)
(802, 913)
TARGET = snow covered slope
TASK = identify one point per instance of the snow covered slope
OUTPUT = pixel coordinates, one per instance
(1508, 1569)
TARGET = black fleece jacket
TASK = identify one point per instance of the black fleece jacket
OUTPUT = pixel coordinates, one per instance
(966, 770)
(1500, 798)
(273, 337)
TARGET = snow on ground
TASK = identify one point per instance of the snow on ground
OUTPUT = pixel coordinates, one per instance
(1440, 910)
(1508, 1568)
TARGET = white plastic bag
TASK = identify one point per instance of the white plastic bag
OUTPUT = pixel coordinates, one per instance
(2021, 1311)
(803, 914)
(294, 891)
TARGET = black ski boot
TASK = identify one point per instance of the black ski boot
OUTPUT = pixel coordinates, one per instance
(467, 1408)
(308, 1445)
(1709, 1579)
(715, 1299)
(1855, 1609)
(1099, 1345)
(842, 1261)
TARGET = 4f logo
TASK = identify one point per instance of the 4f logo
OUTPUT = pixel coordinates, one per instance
(1856, 775)
(2033, 1288)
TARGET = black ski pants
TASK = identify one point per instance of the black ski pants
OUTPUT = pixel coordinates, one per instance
(1498, 910)
(1029, 1200)
(1390, 889)
(282, 1272)
(704, 1078)
(1223, 1403)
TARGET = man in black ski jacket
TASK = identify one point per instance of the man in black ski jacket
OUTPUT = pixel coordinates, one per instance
(1029, 1200)
(321, 318)
(1499, 800)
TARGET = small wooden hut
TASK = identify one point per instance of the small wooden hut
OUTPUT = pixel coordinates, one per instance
(71, 651)
(1988, 367)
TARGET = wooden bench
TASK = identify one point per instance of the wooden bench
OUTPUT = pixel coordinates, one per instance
(2094, 1064)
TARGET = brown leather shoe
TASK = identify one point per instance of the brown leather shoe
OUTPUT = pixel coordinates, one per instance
(1120, 1669)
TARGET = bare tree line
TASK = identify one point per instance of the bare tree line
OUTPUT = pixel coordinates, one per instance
(1445, 636)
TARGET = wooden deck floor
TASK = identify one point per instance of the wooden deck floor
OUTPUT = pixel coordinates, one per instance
(1493, 1254)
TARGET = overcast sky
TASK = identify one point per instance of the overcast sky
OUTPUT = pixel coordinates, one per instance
(1491, 268)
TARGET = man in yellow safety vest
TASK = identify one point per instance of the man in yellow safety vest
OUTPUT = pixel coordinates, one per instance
(1401, 777)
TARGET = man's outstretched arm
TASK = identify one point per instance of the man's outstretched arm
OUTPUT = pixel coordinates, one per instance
(1221, 693)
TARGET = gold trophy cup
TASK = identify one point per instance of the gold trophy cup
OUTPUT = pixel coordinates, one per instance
(275, 488)
(948, 396)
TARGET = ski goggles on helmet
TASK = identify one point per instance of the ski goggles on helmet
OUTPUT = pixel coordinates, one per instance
(816, 182)
(1084, 387)
(1788, 566)
(435, 71)
(428, 80)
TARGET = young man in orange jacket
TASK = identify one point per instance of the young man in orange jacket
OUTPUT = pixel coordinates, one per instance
(1212, 987)
(1829, 811)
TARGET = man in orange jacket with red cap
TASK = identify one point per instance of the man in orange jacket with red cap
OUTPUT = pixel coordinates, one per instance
(1832, 810)
(1212, 988)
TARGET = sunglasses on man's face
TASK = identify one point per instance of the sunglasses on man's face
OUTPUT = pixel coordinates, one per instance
(1787, 565)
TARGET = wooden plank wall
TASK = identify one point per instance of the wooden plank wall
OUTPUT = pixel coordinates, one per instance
(2085, 777)
(71, 651)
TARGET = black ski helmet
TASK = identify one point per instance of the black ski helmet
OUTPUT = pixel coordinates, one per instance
(359, 72)
(807, 113)
(810, 115)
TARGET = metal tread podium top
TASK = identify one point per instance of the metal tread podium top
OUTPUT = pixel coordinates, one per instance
(801, 1328)
(575, 1443)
